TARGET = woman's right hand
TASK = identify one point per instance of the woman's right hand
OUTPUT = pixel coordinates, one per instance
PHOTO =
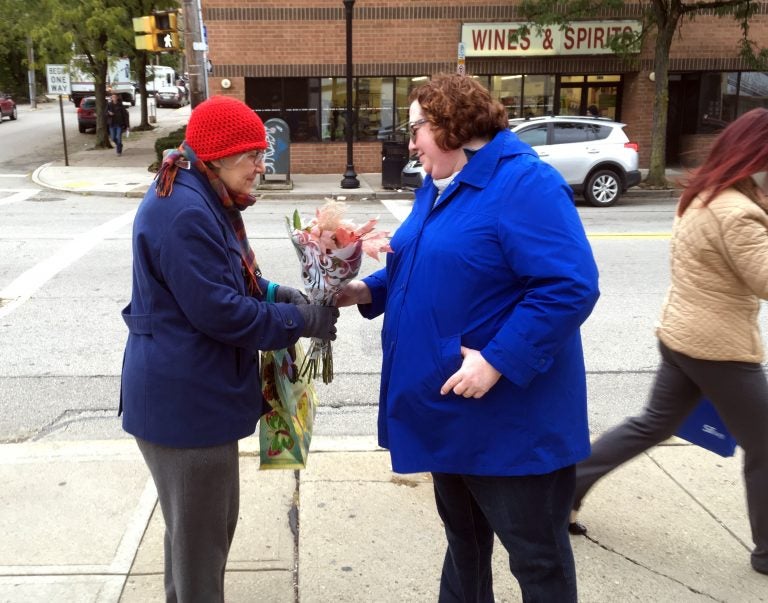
(354, 292)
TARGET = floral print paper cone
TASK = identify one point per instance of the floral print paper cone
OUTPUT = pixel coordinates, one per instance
(330, 250)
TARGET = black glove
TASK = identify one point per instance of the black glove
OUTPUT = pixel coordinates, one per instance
(319, 321)
(289, 295)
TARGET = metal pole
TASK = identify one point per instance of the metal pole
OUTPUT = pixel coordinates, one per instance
(350, 177)
(31, 73)
(204, 56)
(195, 64)
(63, 131)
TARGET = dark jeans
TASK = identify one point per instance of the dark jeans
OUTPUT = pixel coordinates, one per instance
(528, 513)
(116, 134)
(739, 392)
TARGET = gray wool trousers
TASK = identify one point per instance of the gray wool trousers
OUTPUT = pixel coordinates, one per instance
(739, 392)
(199, 494)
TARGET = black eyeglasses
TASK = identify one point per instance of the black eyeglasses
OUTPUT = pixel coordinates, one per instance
(414, 127)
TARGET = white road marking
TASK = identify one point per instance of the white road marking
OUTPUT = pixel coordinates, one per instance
(400, 208)
(23, 287)
(19, 195)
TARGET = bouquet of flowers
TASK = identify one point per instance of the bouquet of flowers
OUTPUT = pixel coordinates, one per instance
(330, 250)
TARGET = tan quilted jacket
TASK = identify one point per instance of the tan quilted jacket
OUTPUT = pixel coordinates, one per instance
(719, 264)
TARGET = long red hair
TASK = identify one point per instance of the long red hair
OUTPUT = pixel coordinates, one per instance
(739, 151)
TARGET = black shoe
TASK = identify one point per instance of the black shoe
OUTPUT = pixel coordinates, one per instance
(577, 529)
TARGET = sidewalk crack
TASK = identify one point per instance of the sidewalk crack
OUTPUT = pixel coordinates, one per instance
(293, 522)
(699, 504)
(652, 570)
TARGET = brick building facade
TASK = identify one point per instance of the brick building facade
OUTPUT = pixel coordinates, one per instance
(287, 59)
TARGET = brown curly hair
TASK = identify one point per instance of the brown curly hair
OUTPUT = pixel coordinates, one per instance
(459, 109)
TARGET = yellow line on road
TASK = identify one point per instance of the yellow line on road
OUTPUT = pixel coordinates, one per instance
(629, 235)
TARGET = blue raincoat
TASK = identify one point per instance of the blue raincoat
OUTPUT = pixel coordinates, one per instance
(502, 265)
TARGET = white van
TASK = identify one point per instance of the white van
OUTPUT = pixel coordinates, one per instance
(118, 80)
(159, 76)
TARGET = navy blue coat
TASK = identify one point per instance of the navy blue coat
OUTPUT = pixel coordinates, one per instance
(191, 370)
(501, 265)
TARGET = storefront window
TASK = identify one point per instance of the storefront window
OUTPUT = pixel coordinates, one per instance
(538, 95)
(294, 100)
(589, 95)
(374, 106)
(753, 91)
(508, 89)
(403, 88)
(315, 108)
(333, 101)
(722, 97)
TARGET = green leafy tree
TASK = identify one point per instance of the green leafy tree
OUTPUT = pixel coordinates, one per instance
(664, 18)
(93, 30)
(17, 28)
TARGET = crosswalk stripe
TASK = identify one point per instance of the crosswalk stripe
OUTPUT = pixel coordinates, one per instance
(19, 195)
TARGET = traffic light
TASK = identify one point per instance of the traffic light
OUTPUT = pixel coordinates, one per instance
(158, 32)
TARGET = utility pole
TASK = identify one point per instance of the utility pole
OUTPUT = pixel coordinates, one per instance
(31, 73)
(193, 40)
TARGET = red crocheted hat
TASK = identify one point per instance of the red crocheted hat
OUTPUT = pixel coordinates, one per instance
(223, 126)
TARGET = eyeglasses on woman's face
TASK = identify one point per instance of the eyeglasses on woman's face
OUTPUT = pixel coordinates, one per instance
(414, 127)
(253, 158)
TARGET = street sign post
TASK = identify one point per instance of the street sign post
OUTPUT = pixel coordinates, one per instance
(461, 67)
(58, 83)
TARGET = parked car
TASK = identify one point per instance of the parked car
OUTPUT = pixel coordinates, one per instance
(413, 174)
(170, 96)
(7, 107)
(86, 114)
(593, 154)
(392, 133)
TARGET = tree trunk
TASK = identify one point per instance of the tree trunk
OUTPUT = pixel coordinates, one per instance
(141, 60)
(667, 21)
(100, 88)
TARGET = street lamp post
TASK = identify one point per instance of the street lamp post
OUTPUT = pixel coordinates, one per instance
(350, 177)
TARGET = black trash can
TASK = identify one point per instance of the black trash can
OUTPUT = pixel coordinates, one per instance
(394, 156)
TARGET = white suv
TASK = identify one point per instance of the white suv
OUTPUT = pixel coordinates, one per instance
(593, 154)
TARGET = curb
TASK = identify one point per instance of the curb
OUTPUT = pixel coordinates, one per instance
(136, 193)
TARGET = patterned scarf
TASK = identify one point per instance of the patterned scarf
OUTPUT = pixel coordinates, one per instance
(233, 204)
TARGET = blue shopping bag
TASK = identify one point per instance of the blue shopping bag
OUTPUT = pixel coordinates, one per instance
(705, 428)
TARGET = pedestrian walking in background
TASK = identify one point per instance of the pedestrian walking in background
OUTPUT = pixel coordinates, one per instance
(197, 320)
(483, 380)
(118, 121)
(708, 334)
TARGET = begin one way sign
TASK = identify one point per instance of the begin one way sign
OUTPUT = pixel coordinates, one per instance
(58, 79)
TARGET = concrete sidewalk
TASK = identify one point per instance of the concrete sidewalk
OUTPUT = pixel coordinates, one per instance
(81, 523)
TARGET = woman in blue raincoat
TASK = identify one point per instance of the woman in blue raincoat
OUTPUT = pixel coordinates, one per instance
(483, 380)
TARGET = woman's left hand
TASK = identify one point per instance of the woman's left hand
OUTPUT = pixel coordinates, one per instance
(475, 377)
(289, 295)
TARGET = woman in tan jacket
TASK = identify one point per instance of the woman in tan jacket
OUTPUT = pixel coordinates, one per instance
(708, 334)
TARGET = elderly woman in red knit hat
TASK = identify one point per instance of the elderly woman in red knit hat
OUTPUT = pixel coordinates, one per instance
(197, 320)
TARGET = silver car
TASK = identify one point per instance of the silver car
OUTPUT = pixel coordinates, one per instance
(593, 154)
(170, 96)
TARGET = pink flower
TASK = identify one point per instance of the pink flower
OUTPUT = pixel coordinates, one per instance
(330, 250)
